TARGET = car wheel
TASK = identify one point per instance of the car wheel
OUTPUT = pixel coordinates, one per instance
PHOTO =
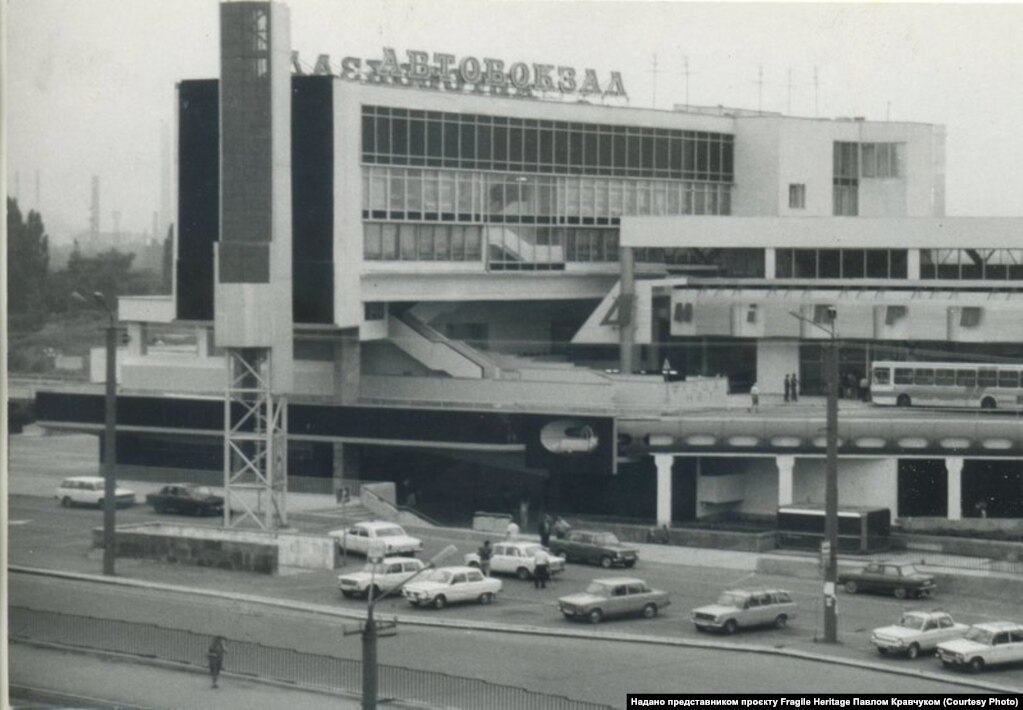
(649, 611)
(976, 665)
(66, 502)
(347, 594)
(913, 651)
(900, 592)
(522, 573)
(903, 401)
(486, 598)
(630, 563)
(605, 562)
(440, 602)
(731, 626)
(883, 651)
(987, 403)
(851, 587)
(781, 621)
(595, 616)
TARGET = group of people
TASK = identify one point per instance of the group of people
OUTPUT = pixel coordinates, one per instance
(541, 570)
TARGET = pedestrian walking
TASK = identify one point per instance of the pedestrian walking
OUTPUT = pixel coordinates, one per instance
(561, 527)
(788, 388)
(795, 388)
(215, 656)
(485, 552)
(542, 570)
(512, 531)
(754, 395)
(546, 527)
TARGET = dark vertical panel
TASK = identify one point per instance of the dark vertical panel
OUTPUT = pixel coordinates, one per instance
(312, 198)
(198, 196)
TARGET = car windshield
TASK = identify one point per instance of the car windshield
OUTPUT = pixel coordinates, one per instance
(202, 491)
(597, 589)
(731, 599)
(533, 549)
(438, 575)
(390, 532)
(374, 568)
(982, 636)
(912, 622)
(907, 570)
(605, 539)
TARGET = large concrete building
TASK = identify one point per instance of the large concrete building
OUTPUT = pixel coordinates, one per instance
(461, 269)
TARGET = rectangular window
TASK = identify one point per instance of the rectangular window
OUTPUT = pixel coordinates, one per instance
(853, 264)
(924, 376)
(1008, 378)
(797, 196)
(903, 376)
(371, 242)
(966, 378)
(987, 377)
(882, 375)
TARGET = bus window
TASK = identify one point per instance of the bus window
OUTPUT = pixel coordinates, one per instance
(1008, 378)
(944, 377)
(987, 378)
(924, 376)
(966, 378)
(903, 376)
(882, 375)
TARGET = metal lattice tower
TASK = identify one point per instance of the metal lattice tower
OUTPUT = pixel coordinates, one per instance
(255, 443)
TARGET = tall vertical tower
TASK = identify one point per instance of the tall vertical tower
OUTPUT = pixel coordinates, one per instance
(252, 286)
(94, 209)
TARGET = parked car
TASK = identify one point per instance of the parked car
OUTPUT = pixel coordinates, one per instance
(737, 608)
(917, 632)
(614, 596)
(988, 644)
(395, 541)
(898, 578)
(186, 498)
(447, 585)
(90, 490)
(390, 573)
(598, 548)
(518, 558)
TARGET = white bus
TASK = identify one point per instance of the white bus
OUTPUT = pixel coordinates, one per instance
(947, 384)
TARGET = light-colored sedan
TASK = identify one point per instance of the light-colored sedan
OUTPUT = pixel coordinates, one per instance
(614, 596)
(448, 585)
(381, 577)
(917, 632)
(90, 490)
(988, 644)
(517, 558)
(391, 537)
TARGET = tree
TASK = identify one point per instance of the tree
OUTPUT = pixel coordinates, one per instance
(28, 262)
(108, 273)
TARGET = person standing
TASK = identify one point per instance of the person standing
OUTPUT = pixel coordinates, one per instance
(215, 656)
(485, 552)
(545, 530)
(512, 531)
(754, 395)
(542, 569)
(561, 527)
(788, 388)
(795, 388)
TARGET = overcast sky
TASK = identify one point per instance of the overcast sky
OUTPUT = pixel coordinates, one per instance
(89, 81)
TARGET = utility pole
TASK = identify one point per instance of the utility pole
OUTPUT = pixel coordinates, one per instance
(653, 71)
(685, 73)
(760, 89)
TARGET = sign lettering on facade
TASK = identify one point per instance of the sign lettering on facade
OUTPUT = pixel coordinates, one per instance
(448, 72)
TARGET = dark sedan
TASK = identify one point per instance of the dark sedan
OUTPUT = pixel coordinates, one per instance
(187, 499)
(598, 548)
(898, 578)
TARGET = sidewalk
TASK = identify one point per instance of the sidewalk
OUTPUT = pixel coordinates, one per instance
(93, 679)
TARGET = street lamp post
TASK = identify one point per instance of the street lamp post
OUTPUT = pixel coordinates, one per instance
(829, 549)
(370, 636)
(109, 432)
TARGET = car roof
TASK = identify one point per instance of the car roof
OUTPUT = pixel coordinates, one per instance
(374, 524)
(620, 580)
(756, 590)
(458, 568)
(997, 625)
(83, 479)
(925, 613)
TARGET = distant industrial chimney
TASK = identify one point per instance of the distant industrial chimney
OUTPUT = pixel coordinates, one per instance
(94, 209)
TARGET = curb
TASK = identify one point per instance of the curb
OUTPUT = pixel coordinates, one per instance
(523, 630)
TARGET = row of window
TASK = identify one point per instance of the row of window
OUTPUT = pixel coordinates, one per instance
(421, 242)
(393, 136)
(841, 263)
(452, 195)
(852, 161)
(948, 377)
(980, 264)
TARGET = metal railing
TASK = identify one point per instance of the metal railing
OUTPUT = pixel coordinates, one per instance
(276, 663)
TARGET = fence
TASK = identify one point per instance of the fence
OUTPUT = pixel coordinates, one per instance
(276, 663)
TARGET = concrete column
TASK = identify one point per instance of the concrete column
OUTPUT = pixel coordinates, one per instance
(663, 463)
(627, 294)
(954, 466)
(138, 333)
(913, 264)
(347, 366)
(204, 341)
(770, 264)
(785, 465)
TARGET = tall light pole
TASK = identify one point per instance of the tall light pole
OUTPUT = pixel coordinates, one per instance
(109, 431)
(369, 631)
(829, 548)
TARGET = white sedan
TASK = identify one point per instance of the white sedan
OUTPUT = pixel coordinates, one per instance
(90, 490)
(443, 586)
(917, 631)
(390, 573)
(390, 537)
(518, 558)
(989, 644)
